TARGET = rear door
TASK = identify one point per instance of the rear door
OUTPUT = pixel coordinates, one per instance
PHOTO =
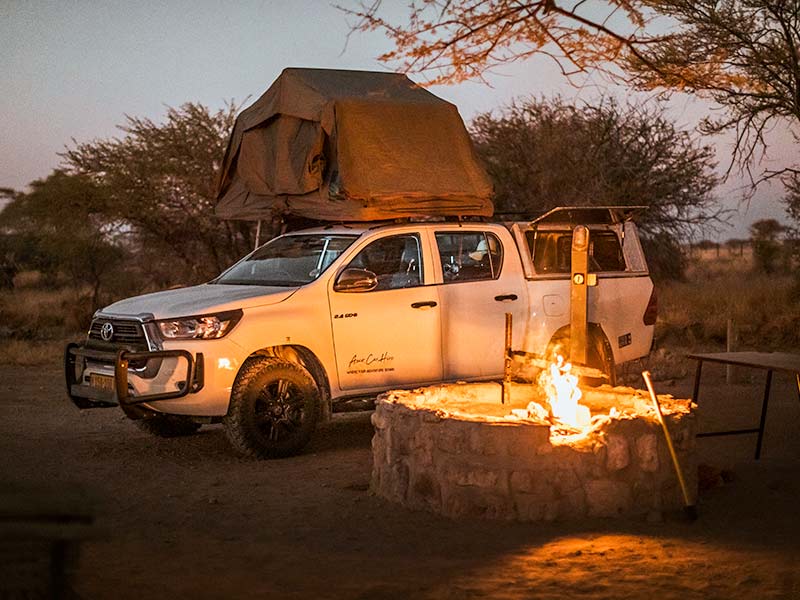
(390, 335)
(481, 281)
(617, 302)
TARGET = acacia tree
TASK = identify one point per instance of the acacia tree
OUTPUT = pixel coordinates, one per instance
(541, 154)
(793, 198)
(742, 54)
(160, 180)
(450, 41)
(59, 228)
(765, 235)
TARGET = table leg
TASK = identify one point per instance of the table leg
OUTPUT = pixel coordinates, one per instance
(763, 414)
(697, 373)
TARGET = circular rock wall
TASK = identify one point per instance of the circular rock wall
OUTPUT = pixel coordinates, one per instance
(452, 450)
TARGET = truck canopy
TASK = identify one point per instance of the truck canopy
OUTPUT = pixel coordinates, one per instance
(350, 146)
(584, 215)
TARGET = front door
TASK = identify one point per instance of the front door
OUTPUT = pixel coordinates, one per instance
(389, 335)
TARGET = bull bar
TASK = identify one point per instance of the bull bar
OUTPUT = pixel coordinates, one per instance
(84, 396)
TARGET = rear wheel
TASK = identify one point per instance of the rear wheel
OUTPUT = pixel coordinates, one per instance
(274, 408)
(600, 356)
(167, 425)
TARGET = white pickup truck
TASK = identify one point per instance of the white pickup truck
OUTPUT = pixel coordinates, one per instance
(318, 317)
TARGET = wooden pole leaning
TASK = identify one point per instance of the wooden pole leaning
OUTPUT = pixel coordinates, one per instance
(506, 391)
(689, 507)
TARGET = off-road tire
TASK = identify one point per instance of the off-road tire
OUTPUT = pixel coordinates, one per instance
(167, 426)
(274, 408)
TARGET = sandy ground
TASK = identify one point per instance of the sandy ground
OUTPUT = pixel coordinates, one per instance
(186, 518)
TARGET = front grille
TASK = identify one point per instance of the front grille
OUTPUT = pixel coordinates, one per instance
(127, 334)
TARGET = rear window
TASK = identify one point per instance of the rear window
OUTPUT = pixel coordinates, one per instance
(552, 251)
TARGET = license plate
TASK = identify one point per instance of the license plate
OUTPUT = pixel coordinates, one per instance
(101, 382)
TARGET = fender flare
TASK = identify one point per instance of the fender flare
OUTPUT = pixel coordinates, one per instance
(304, 357)
(598, 341)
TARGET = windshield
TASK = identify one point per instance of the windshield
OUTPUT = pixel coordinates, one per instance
(289, 260)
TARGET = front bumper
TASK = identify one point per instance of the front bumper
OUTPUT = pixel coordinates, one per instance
(180, 383)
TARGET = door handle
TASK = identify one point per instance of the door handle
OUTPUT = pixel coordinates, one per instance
(430, 303)
(505, 297)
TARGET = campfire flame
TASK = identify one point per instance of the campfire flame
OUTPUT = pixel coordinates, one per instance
(561, 389)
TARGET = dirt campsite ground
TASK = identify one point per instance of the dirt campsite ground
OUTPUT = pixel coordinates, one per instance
(187, 518)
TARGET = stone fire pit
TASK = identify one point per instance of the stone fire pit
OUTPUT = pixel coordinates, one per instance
(456, 450)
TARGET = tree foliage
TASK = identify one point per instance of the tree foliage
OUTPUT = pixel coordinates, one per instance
(451, 41)
(792, 197)
(765, 235)
(743, 54)
(160, 181)
(60, 228)
(541, 154)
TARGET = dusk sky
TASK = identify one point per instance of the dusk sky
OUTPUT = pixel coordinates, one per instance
(74, 69)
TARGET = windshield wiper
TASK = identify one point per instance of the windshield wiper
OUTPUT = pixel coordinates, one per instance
(260, 283)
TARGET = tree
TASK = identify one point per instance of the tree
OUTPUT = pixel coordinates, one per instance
(736, 246)
(706, 245)
(160, 180)
(743, 54)
(793, 198)
(8, 245)
(541, 154)
(766, 245)
(450, 41)
(59, 228)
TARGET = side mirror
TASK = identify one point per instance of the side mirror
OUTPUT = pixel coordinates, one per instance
(356, 280)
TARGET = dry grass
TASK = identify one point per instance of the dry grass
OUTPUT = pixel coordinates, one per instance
(32, 352)
(42, 313)
(36, 321)
(694, 314)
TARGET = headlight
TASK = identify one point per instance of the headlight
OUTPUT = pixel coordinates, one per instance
(206, 327)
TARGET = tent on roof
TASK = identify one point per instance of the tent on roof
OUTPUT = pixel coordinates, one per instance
(350, 146)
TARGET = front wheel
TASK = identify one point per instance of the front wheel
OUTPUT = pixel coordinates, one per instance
(274, 408)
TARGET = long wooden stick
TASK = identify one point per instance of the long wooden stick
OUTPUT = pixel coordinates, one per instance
(689, 507)
(506, 391)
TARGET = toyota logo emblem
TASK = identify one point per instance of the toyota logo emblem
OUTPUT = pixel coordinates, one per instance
(107, 332)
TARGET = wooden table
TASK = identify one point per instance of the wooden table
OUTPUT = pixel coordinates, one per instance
(768, 361)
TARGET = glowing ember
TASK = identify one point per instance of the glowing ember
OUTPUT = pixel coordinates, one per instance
(561, 389)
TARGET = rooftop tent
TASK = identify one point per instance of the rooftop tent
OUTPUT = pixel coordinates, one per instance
(350, 146)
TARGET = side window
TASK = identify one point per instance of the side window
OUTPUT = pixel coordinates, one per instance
(469, 255)
(552, 251)
(605, 252)
(396, 261)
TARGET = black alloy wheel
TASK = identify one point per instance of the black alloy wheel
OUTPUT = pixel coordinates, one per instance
(274, 408)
